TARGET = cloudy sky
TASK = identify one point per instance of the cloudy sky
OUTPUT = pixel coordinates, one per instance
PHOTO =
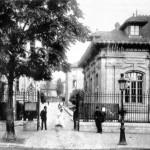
(102, 15)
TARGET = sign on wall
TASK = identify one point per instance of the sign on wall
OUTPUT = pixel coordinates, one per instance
(141, 61)
(30, 106)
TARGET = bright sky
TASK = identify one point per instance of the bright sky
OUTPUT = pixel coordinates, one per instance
(102, 15)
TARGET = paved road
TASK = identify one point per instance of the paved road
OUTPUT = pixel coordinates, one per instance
(52, 111)
(54, 137)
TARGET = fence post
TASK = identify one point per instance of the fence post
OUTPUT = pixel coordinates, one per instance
(38, 110)
(78, 115)
(77, 109)
(24, 105)
(148, 106)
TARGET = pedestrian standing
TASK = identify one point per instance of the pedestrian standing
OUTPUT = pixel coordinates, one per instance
(75, 116)
(43, 115)
(98, 116)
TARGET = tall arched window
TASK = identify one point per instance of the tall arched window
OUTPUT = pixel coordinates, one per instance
(133, 93)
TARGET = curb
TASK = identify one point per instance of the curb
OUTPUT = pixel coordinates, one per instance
(69, 111)
(15, 147)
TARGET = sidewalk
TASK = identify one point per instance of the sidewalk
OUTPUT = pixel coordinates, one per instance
(57, 138)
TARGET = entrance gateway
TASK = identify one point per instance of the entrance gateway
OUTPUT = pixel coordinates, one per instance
(28, 105)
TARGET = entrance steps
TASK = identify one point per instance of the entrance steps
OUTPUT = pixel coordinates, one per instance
(114, 127)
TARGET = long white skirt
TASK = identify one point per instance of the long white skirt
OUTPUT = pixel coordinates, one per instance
(59, 121)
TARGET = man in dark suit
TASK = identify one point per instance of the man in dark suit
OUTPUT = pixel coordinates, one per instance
(98, 120)
(43, 115)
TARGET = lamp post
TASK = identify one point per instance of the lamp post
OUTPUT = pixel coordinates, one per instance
(122, 85)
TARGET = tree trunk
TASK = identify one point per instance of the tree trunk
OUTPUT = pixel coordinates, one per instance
(10, 129)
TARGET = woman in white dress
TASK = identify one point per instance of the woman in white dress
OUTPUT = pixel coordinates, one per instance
(59, 122)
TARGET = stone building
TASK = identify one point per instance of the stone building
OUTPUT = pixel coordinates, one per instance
(74, 80)
(125, 50)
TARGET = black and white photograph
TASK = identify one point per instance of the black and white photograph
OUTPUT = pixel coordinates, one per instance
(74, 74)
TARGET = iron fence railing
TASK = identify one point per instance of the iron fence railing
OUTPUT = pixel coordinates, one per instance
(137, 106)
(19, 98)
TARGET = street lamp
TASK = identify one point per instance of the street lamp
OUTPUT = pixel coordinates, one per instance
(122, 85)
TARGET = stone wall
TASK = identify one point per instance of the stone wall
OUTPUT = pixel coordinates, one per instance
(114, 127)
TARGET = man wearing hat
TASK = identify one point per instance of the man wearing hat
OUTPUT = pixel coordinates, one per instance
(98, 119)
(43, 115)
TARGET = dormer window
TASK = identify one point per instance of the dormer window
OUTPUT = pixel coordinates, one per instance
(134, 30)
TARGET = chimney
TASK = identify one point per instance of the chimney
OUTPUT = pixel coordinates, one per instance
(117, 26)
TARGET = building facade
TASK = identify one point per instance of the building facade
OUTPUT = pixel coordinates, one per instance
(74, 80)
(125, 50)
(48, 88)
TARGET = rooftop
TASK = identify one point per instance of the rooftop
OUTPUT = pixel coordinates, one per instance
(119, 36)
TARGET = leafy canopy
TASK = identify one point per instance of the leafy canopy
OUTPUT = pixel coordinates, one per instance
(55, 23)
(76, 96)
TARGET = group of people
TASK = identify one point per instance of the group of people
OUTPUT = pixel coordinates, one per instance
(98, 117)
(59, 121)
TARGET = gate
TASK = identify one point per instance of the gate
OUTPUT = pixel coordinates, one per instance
(29, 96)
(28, 105)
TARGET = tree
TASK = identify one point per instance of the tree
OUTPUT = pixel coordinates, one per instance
(76, 96)
(55, 23)
(59, 87)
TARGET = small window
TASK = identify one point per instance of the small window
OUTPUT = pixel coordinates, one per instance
(134, 30)
(133, 94)
(91, 87)
(96, 80)
(74, 83)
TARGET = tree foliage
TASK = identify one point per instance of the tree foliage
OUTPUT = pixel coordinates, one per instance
(53, 22)
(76, 96)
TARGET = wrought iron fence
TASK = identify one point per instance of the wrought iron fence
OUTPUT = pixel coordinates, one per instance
(137, 106)
(19, 98)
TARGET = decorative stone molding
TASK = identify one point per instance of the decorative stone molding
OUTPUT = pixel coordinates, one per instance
(135, 60)
(143, 67)
(117, 66)
(127, 67)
